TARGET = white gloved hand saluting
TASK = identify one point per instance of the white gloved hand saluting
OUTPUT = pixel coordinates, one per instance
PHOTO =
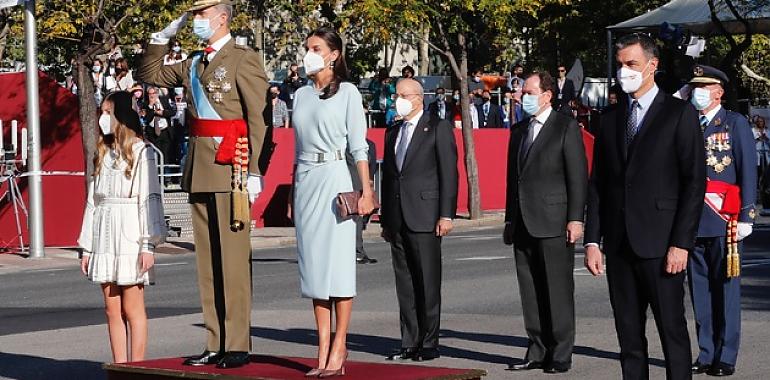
(744, 230)
(170, 31)
(254, 185)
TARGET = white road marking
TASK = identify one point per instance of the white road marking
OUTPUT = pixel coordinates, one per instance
(170, 264)
(748, 263)
(484, 258)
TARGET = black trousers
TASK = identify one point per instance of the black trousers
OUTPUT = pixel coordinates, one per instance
(417, 265)
(545, 270)
(636, 283)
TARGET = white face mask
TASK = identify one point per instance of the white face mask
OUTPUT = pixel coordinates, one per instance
(105, 123)
(403, 107)
(631, 80)
(313, 62)
(701, 98)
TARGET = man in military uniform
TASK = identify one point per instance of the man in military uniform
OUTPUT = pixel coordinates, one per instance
(226, 86)
(728, 213)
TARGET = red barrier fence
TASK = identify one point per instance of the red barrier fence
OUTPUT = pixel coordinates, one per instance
(61, 150)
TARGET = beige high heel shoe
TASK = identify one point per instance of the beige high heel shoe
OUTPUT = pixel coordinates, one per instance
(334, 372)
(314, 372)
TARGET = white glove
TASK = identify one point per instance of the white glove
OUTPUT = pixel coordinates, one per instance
(744, 230)
(172, 29)
(254, 185)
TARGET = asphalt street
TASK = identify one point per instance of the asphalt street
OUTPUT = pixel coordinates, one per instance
(52, 324)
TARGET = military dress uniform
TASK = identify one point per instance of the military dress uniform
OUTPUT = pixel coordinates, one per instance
(714, 265)
(226, 95)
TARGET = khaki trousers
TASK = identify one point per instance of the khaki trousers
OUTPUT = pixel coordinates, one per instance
(224, 273)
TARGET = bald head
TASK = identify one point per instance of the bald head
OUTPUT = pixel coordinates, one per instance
(409, 86)
(411, 90)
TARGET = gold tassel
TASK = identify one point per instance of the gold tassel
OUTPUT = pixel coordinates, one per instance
(733, 257)
(237, 221)
(245, 205)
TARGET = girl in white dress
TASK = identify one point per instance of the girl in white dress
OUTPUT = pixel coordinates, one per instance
(123, 223)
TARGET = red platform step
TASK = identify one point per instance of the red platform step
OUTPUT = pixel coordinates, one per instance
(283, 368)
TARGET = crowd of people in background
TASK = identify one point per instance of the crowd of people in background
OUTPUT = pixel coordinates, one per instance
(161, 110)
(495, 101)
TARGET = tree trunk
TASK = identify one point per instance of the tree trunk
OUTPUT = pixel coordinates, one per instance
(87, 111)
(4, 39)
(471, 167)
(424, 68)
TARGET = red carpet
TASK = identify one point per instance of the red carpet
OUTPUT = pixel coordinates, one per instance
(272, 368)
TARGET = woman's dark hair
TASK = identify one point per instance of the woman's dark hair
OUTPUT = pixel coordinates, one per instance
(124, 111)
(340, 68)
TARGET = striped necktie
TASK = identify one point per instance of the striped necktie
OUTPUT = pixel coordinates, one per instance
(402, 144)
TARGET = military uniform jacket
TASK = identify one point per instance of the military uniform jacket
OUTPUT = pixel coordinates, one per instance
(236, 86)
(730, 157)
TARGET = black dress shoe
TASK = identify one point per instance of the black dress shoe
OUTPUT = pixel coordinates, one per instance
(556, 367)
(234, 359)
(425, 354)
(403, 354)
(207, 357)
(699, 368)
(525, 365)
(721, 369)
(366, 260)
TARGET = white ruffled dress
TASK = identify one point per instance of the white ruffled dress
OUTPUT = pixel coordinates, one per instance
(122, 216)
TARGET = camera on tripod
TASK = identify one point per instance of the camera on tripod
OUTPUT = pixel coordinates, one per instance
(682, 40)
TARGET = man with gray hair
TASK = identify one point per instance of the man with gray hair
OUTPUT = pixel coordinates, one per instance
(227, 89)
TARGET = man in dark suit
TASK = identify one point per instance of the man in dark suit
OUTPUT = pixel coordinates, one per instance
(157, 119)
(490, 114)
(545, 201)
(441, 108)
(644, 202)
(564, 91)
(362, 221)
(419, 200)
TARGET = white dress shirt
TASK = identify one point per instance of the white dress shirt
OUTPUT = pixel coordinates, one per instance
(540, 120)
(218, 46)
(644, 104)
(409, 131)
(711, 114)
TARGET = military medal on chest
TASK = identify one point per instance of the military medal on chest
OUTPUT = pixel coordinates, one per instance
(219, 85)
(717, 143)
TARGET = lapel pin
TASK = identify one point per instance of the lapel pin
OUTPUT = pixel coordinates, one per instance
(425, 129)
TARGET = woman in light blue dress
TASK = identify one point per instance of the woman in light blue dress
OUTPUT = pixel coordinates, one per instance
(328, 117)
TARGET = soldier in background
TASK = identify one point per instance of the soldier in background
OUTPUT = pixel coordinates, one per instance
(227, 86)
(728, 214)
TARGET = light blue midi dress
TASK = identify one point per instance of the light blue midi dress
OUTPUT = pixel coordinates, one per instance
(326, 244)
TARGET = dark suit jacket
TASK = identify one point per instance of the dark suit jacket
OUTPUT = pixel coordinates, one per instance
(650, 192)
(167, 113)
(494, 119)
(426, 187)
(567, 93)
(548, 188)
(449, 107)
(353, 169)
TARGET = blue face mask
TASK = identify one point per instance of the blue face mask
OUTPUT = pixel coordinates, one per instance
(701, 98)
(530, 104)
(202, 28)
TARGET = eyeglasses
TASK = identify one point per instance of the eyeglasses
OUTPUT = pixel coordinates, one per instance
(562, 70)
